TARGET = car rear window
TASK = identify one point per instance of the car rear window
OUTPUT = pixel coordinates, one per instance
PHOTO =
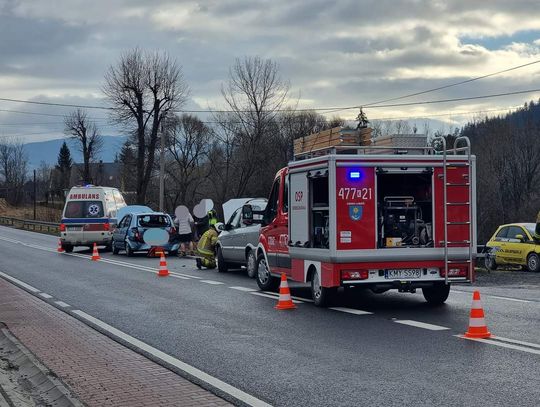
(84, 209)
(154, 221)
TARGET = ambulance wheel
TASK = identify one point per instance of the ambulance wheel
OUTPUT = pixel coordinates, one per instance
(322, 296)
(265, 280)
(129, 250)
(533, 262)
(437, 294)
(222, 265)
(68, 248)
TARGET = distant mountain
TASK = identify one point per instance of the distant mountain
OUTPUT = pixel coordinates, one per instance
(48, 150)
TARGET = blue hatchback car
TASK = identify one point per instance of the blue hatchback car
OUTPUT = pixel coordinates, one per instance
(140, 232)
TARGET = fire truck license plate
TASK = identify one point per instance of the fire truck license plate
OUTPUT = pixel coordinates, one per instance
(402, 273)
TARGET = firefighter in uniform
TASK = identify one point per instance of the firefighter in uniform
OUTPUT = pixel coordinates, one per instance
(537, 230)
(206, 247)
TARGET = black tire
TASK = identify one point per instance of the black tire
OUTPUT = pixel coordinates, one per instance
(109, 247)
(437, 294)
(115, 249)
(322, 296)
(222, 265)
(533, 262)
(129, 250)
(173, 252)
(489, 261)
(68, 248)
(251, 264)
(265, 280)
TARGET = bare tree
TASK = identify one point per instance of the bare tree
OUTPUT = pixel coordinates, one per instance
(86, 135)
(145, 88)
(187, 145)
(13, 169)
(255, 92)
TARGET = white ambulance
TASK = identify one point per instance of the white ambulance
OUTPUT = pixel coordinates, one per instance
(89, 215)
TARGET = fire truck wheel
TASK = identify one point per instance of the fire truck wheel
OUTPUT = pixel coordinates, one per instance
(251, 264)
(222, 266)
(437, 294)
(265, 280)
(322, 296)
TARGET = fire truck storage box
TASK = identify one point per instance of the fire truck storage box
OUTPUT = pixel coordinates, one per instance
(402, 140)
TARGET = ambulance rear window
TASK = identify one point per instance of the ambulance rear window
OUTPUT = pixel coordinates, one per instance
(84, 209)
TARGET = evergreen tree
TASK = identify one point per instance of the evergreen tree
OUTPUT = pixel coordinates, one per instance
(64, 164)
(127, 161)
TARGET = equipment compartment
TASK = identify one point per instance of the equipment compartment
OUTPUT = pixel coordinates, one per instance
(404, 208)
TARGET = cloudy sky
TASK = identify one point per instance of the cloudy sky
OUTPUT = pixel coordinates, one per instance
(340, 53)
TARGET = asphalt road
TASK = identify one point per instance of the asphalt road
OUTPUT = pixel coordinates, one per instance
(220, 324)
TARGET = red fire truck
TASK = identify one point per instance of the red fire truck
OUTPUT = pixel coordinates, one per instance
(402, 219)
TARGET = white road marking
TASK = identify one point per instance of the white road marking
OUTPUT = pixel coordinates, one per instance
(191, 370)
(493, 296)
(502, 344)
(19, 282)
(500, 338)
(177, 276)
(62, 304)
(302, 299)
(350, 310)
(246, 289)
(211, 282)
(419, 324)
(263, 294)
(45, 295)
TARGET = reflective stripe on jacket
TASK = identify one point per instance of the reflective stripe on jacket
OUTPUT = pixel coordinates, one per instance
(208, 241)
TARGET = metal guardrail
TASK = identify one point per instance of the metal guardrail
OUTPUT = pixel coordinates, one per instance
(33, 225)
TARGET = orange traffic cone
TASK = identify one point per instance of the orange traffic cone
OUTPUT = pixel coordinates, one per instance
(285, 301)
(163, 270)
(95, 254)
(60, 249)
(477, 323)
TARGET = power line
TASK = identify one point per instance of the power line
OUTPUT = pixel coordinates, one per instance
(452, 84)
(427, 102)
(462, 113)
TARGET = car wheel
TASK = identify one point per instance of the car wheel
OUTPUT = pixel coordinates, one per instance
(68, 248)
(489, 261)
(265, 280)
(222, 265)
(251, 264)
(322, 296)
(129, 250)
(115, 249)
(109, 247)
(173, 252)
(437, 294)
(533, 262)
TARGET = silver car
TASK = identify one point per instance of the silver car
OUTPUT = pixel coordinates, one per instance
(238, 238)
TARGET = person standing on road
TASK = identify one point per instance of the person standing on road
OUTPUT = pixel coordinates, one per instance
(185, 235)
(206, 248)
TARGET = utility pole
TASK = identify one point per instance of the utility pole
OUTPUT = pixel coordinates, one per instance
(35, 194)
(162, 168)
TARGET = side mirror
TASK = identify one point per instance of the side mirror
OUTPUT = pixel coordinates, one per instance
(220, 227)
(247, 214)
(520, 237)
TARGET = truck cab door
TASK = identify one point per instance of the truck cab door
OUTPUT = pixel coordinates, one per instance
(271, 232)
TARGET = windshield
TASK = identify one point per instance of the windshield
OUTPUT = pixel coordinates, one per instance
(84, 209)
(153, 221)
(530, 228)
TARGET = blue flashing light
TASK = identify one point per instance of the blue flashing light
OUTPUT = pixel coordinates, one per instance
(355, 175)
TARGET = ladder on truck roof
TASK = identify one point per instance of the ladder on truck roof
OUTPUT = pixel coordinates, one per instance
(467, 182)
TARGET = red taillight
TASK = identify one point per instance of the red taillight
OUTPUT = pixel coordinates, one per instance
(106, 227)
(62, 227)
(354, 274)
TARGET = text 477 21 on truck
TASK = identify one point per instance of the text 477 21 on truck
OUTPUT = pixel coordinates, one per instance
(382, 221)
